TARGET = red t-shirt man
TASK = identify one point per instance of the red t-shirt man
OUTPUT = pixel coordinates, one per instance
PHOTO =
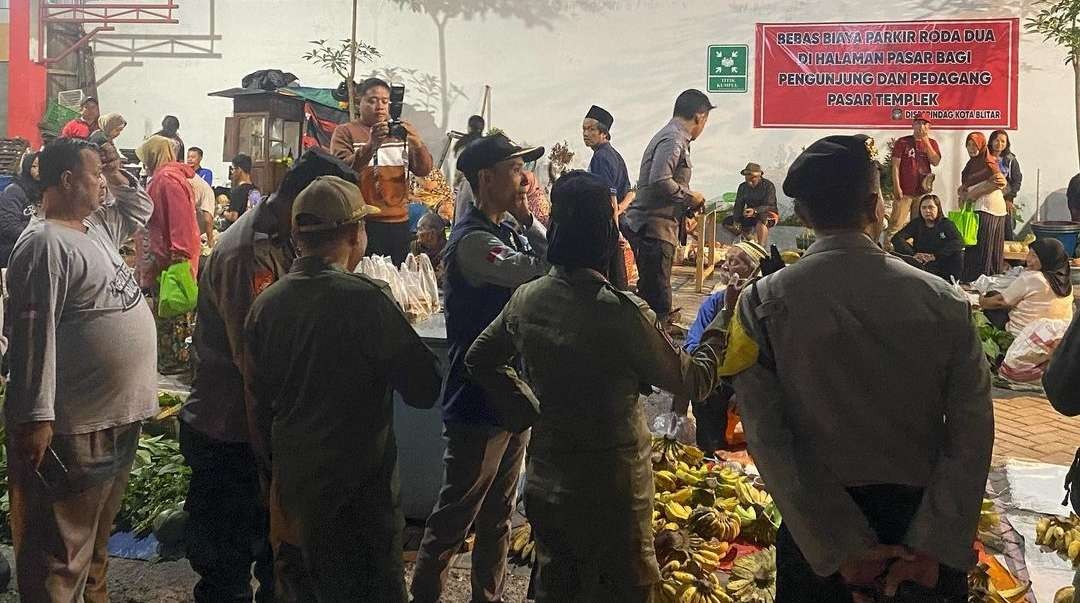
(87, 121)
(915, 162)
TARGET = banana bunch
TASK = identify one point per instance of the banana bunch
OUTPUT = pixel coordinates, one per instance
(1060, 534)
(668, 453)
(988, 518)
(679, 586)
(753, 578)
(665, 481)
(677, 513)
(522, 545)
(710, 522)
(750, 495)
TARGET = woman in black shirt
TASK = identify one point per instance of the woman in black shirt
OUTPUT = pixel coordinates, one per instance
(936, 244)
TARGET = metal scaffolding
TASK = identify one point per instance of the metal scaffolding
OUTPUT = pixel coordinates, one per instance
(102, 15)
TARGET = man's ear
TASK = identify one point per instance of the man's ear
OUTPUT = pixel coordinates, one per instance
(65, 179)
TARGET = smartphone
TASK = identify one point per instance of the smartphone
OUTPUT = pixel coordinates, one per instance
(52, 473)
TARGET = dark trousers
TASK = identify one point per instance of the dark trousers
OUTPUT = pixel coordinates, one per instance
(482, 465)
(889, 509)
(946, 267)
(228, 524)
(712, 417)
(391, 239)
(654, 259)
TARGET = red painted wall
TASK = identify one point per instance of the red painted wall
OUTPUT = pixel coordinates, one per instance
(26, 79)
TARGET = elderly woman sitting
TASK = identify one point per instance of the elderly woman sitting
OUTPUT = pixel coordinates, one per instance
(741, 264)
(1044, 290)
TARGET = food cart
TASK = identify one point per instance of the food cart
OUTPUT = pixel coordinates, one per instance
(274, 127)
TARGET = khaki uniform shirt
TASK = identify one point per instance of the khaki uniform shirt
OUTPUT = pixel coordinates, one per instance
(852, 369)
(589, 456)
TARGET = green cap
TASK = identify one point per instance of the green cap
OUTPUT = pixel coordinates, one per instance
(330, 202)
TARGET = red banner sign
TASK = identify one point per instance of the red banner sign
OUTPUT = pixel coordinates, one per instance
(961, 74)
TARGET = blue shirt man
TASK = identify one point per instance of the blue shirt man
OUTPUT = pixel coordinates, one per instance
(194, 159)
(609, 165)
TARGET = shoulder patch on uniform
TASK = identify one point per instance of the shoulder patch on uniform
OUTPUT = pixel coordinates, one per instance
(262, 279)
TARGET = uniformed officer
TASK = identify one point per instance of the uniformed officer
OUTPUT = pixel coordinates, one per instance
(651, 222)
(324, 348)
(227, 519)
(590, 488)
(865, 398)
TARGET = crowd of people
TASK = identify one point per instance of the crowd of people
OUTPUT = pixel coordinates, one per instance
(288, 429)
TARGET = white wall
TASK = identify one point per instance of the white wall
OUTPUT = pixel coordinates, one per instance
(633, 59)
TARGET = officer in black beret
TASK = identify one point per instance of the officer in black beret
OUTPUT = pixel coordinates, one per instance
(865, 397)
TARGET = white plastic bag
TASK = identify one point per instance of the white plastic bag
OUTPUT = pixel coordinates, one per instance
(682, 428)
(413, 285)
(1025, 361)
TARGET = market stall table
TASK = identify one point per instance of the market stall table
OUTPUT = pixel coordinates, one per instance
(419, 434)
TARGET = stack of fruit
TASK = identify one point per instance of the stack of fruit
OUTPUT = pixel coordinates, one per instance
(522, 545)
(700, 510)
(1061, 534)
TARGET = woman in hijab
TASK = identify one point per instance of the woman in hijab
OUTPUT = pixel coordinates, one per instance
(982, 185)
(1043, 290)
(589, 490)
(17, 204)
(171, 236)
(111, 125)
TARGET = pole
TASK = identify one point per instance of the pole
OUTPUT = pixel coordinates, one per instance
(352, 64)
(1038, 196)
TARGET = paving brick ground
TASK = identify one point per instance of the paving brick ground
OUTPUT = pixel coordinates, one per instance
(1029, 428)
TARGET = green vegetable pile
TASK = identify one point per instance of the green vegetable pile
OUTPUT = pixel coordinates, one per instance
(995, 342)
(159, 482)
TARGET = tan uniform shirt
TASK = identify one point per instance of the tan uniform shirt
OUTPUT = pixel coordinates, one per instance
(589, 455)
(866, 371)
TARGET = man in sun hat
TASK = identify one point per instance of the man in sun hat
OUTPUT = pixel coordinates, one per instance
(755, 204)
(324, 348)
(879, 473)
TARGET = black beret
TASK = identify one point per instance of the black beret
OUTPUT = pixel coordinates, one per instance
(827, 166)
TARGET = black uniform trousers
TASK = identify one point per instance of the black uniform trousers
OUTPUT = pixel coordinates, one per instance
(654, 259)
(890, 509)
(228, 523)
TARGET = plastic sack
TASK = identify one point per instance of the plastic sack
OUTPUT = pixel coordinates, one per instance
(1026, 359)
(681, 428)
(967, 222)
(177, 291)
(413, 285)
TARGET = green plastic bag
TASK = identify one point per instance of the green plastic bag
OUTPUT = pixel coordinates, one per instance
(967, 222)
(177, 291)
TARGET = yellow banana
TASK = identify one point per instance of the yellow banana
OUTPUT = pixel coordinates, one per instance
(688, 594)
(684, 577)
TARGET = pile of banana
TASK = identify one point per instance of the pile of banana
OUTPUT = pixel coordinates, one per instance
(522, 545)
(699, 511)
(679, 586)
(753, 577)
(1061, 534)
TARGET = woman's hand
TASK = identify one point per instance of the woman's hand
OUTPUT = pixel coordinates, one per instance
(1000, 181)
(992, 301)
